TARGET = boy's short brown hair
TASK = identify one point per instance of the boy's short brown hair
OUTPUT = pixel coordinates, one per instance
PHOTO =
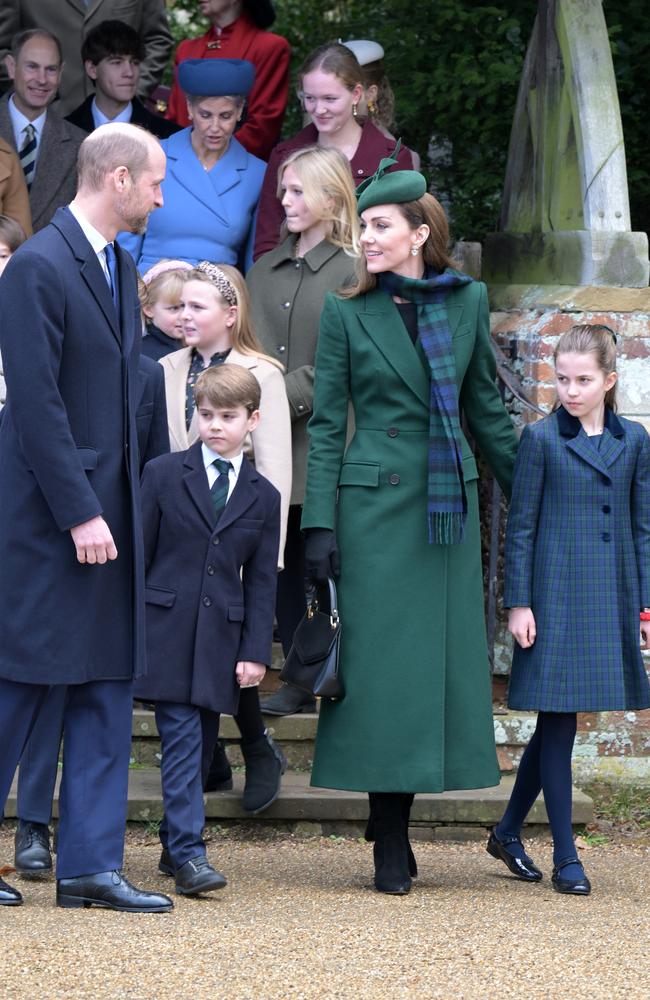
(225, 386)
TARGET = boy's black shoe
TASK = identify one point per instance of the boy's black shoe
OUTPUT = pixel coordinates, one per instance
(32, 856)
(197, 876)
(265, 765)
(219, 777)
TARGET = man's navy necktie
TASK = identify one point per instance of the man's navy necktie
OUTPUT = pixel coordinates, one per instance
(111, 263)
(219, 488)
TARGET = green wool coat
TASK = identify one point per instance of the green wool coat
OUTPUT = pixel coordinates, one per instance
(287, 296)
(417, 713)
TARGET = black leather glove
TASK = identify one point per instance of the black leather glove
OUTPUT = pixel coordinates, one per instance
(321, 554)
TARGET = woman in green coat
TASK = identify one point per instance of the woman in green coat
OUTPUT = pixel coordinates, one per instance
(288, 286)
(397, 513)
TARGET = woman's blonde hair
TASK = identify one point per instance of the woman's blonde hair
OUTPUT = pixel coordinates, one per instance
(242, 334)
(328, 189)
(427, 211)
(336, 59)
(591, 338)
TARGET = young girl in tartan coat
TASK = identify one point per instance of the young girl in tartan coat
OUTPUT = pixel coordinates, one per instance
(577, 576)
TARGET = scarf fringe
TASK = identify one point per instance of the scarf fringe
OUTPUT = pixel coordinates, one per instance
(446, 528)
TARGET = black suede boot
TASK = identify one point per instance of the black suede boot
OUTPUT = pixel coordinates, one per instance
(219, 777)
(390, 849)
(265, 765)
(407, 802)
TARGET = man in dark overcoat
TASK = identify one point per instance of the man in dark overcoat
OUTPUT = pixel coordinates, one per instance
(71, 566)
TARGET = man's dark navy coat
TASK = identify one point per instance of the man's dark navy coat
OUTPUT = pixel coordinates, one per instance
(210, 588)
(68, 452)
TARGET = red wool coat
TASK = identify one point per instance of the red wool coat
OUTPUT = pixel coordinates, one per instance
(267, 100)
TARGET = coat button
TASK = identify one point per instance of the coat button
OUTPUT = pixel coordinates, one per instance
(392, 432)
(297, 264)
(281, 348)
(605, 479)
(300, 407)
(359, 171)
(286, 305)
(606, 508)
(394, 479)
(207, 602)
(215, 541)
(605, 536)
(210, 570)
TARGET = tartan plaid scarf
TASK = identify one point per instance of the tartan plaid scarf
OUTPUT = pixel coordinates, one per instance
(447, 501)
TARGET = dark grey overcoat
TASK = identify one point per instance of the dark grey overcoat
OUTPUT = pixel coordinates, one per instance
(68, 452)
(578, 554)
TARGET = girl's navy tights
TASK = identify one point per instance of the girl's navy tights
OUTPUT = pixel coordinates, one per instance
(546, 766)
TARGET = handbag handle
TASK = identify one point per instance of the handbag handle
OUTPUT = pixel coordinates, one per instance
(313, 603)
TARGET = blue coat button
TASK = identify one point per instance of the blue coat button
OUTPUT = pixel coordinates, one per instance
(207, 602)
(605, 536)
(394, 479)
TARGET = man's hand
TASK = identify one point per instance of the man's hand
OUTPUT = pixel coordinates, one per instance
(521, 622)
(93, 541)
(249, 674)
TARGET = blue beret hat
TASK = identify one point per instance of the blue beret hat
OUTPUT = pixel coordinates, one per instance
(215, 77)
(390, 188)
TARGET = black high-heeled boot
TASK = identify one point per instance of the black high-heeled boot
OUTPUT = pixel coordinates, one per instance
(369, 835)
(390, 848)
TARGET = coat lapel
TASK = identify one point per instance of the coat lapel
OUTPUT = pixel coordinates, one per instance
(241, 498)
(611, 446)
(381, 320)
(208, 188)
(195, 481)
(176, 366)
(90, 268)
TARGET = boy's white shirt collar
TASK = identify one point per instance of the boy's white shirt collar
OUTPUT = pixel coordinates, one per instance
(212, 472)
(99, 118)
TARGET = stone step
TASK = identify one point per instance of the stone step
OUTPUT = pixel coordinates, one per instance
(299, 804)
(295, 734)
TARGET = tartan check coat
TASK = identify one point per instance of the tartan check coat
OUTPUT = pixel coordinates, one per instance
(578, 554)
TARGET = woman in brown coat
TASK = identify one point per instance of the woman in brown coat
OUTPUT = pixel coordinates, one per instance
(14, 198)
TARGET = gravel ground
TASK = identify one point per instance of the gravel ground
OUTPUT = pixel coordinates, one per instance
(300, 920)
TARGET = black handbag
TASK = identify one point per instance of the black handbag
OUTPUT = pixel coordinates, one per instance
(312, 664)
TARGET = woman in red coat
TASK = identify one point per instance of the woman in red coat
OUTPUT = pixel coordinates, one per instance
(238, 31)
(330, 84)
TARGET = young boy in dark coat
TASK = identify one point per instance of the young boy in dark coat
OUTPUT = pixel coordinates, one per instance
(211, 533)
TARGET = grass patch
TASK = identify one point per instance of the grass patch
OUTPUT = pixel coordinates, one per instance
(621, 804)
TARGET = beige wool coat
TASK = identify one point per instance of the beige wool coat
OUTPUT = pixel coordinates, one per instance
(270, 446)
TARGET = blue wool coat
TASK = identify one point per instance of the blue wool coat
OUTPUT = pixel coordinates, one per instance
(68, 452)
(578, 554)
(207, 215)
(210, 589)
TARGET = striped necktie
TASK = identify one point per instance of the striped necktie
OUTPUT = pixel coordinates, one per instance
(219, 488)
(28, 154)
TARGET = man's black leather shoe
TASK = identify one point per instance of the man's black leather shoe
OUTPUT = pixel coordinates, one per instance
(288, 701)
(110, 890)
(197, 876)
(32, 856)
(8, 895)
(522, 868)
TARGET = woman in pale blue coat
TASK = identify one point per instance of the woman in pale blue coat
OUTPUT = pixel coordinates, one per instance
(212, 185)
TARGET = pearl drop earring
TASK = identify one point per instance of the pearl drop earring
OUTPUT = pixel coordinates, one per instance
(415, 250)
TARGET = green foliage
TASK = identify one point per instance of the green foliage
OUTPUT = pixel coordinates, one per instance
(455, 67)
